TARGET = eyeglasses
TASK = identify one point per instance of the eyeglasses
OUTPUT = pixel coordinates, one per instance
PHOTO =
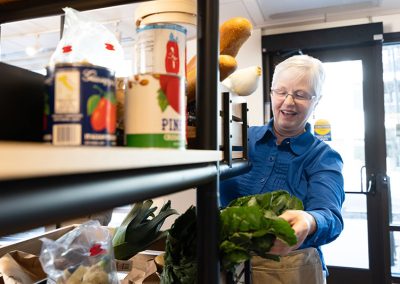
(297, 95)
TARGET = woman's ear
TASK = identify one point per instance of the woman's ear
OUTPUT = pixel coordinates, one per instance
(317, 101)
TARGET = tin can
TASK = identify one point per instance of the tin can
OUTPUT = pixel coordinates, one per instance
(120, 88)
(80, 106)
(161, 49)
(155, 111)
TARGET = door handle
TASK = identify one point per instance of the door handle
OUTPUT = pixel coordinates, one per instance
(370, 184)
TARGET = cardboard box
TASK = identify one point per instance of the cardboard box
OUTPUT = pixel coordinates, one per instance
(34, 245)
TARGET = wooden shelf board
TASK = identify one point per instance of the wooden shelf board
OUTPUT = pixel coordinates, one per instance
(25, 160)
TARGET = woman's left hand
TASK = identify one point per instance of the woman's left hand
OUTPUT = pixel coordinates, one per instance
(303, 225)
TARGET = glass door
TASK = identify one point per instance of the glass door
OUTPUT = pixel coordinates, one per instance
(343, 90)
(353, 104)
(391, 79)
(352, 108)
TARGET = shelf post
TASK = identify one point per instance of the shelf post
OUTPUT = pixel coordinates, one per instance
(207, 127)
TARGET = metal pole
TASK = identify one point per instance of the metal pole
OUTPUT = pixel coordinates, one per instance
(26, 204)
(207, 111)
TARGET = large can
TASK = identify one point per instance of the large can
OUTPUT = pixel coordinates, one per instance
(161, 49)
(155, 111)
(155, 104)
(80, 106)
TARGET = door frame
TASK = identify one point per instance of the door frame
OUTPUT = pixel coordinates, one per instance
(354, 42)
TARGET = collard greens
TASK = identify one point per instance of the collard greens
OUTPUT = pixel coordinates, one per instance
(250, 225)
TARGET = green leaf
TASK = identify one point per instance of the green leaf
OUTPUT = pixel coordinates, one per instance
(250, 225)
(146, 230)
(180, 250)
(126, 250)
(111, 97)
(92, 103)
(123, 251)
(282, 229)
(119, 236)
(141, 215)
(97, 88)
(140, 228)
(260, 245)
(162, 100)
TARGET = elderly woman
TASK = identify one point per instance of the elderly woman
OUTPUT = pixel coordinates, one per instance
(284, 154)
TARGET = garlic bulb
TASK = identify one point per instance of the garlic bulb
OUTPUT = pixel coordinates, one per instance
(243, 82)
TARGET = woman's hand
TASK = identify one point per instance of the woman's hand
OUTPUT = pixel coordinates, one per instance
(303, 225)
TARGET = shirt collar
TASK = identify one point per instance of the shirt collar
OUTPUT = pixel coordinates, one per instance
(298, 144)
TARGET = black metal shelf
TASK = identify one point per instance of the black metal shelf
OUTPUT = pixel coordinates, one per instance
(23, 9)
(29, 203)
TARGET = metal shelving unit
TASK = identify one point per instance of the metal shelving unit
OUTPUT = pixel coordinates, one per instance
(30, 200)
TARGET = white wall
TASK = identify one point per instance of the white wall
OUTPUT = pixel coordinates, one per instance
(249, 55)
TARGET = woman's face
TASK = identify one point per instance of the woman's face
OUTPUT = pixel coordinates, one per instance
(291, 115)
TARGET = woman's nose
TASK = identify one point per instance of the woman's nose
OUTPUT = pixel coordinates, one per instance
(289, 99)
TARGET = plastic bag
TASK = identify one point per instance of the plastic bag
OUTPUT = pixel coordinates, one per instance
(84, 255)
(85, 41)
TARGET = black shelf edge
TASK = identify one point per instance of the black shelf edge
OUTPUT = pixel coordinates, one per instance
(30, 203)
(207, 136)
(394, 228)
(236, 168)
(24, 10)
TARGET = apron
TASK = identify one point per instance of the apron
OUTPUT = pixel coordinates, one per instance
(299, 267)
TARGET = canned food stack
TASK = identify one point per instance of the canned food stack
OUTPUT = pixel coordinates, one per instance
(155, 104)
(80, 102)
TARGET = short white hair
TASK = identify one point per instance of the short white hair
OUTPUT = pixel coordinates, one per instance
(306, 66)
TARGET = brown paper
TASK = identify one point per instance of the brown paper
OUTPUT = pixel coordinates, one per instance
(143, 270)
(21, 267)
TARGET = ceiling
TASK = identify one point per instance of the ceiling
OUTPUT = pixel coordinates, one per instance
(43, 34)
(277, 13)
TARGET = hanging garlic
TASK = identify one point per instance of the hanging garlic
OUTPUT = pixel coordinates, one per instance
(243, 82)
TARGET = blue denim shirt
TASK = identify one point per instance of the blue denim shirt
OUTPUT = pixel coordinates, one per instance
(305, 167)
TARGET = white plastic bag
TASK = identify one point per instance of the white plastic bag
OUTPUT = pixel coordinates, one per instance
(86, 41)
(84, 255)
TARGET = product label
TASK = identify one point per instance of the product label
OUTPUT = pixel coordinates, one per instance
(67, 91)
(80, 106)
(161, 49)
(155, 111)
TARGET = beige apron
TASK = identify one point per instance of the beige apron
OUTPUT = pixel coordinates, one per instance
(299, 267)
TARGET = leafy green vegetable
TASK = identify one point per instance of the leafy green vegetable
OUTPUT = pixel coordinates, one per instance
(250, 225)
(180, 250)
(140, 228)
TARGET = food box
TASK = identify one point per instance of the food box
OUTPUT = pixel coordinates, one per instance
(34, 245)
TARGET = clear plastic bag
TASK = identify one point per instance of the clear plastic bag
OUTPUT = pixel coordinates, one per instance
(84, 255)
(86, 41)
